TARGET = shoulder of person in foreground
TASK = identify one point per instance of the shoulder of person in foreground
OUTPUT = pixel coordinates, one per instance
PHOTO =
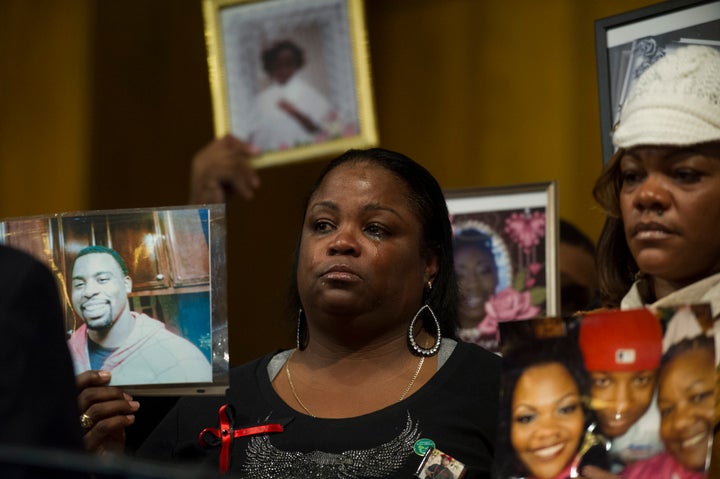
(479, 371)
(221, 169)
(176, 436)
(33, 342)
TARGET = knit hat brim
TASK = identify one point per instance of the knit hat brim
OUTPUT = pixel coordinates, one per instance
(666, 122)
(676, 101)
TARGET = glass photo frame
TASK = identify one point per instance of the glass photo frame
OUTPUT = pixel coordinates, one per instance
(143, 291)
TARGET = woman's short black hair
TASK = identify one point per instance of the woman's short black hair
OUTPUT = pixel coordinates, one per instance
(270, 54)
(428, 202)
(701, 341)
(473, 238)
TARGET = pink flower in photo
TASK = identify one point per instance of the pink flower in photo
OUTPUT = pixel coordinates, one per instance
(510, 304)
(526, 230)
(488, 326)
(534, 268)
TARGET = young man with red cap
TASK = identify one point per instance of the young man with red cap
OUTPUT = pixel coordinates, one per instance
(622, 351)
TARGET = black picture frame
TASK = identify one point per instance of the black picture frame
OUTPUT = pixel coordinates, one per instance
(627, 43)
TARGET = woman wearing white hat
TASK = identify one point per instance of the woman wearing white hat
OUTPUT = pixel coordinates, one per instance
(660, 244)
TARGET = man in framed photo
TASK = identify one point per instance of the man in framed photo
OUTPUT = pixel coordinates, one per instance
(136, 348)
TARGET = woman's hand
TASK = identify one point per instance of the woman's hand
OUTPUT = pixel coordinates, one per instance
(222, 168)
(105, 410)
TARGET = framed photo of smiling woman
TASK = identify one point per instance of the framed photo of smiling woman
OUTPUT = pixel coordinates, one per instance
(143, 291)
(291, 77)
(628, 391)
(505, 245)
(545, 429)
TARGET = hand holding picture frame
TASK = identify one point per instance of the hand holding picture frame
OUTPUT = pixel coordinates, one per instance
(290, 77)
(505, 246)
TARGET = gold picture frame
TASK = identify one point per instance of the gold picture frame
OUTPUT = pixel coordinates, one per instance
(325, 105)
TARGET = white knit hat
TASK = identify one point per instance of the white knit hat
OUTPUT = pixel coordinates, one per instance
(676, 101)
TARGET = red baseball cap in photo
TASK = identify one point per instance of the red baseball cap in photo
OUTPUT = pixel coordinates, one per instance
(615, 340)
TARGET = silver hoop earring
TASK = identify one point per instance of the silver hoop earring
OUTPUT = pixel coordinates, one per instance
(411, 336)
(301, 338)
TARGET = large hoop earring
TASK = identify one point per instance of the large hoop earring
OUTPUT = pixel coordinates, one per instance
(301, 339)
(411, 336)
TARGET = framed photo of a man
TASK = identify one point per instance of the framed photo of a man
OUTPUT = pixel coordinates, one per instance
(143, 290)
(505, 246)
(628, 43)
(291, 77)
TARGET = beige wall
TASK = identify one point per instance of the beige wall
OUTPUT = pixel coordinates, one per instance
(102, 105)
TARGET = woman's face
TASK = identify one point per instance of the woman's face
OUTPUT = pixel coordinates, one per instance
(670, 198)
(360, 249)
(620, 398)
(284, 66)
(686, 399)
(477, 277)
(547, 419)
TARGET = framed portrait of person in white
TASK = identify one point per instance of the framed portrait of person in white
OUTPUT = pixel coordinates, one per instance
(628, 43)
(505, 248)
(143, 292)
(290, 77)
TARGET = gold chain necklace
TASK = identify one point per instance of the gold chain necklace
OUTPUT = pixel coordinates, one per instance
(297, 398)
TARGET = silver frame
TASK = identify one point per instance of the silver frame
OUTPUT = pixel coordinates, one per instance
(518, 198)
